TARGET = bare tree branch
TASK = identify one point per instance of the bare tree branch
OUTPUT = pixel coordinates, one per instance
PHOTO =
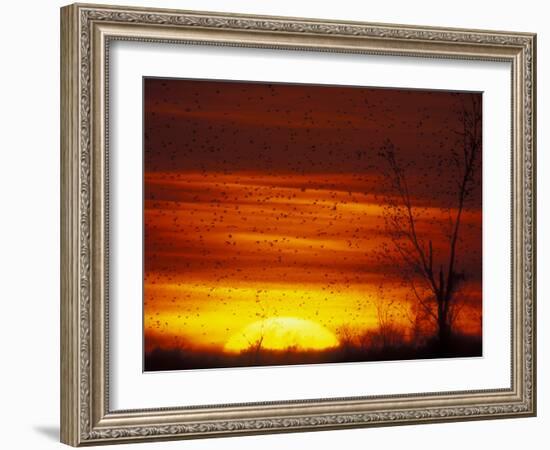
(401, 221)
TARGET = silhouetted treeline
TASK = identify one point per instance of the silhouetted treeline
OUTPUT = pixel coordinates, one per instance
(179, 359)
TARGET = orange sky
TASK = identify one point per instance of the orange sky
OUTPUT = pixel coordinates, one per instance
(227, 250)
(266, 200)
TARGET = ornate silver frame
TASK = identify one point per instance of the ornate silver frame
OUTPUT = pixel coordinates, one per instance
(86, 31)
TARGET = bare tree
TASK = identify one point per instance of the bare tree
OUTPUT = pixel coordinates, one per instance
(346, 337)
(386, 312)
(433, 278)
(255, 346)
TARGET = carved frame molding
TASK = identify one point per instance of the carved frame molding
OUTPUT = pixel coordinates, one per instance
(86, 31)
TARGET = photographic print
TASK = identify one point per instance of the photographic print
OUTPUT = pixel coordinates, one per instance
(306, 224)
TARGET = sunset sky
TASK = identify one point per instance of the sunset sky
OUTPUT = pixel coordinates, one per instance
(266, 201)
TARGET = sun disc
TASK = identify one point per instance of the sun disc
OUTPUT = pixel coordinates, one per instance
(280, 333)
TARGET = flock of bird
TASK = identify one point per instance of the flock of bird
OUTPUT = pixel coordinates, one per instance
(267, 199)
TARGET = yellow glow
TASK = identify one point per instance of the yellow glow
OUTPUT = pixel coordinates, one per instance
(229, 250)
(280, 333)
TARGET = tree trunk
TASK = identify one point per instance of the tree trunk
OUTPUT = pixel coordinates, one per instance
(443, 331)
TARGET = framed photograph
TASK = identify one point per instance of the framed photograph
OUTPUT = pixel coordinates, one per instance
(268, 221)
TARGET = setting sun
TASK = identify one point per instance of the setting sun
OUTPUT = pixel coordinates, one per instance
(280, 333)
